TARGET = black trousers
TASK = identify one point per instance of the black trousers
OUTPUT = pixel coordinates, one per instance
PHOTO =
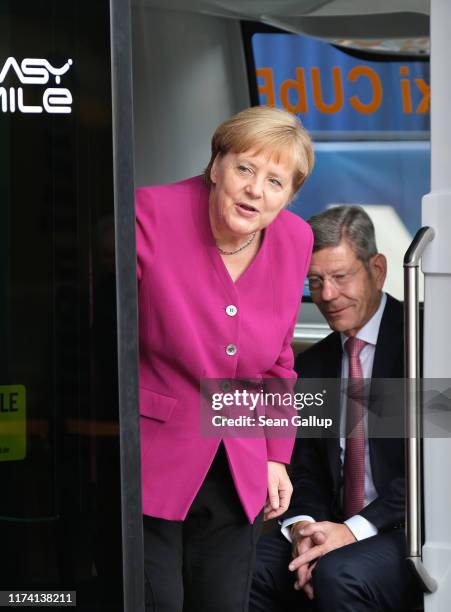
(205, 562)
(367, 576)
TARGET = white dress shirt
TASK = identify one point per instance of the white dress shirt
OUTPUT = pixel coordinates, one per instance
(360, 526)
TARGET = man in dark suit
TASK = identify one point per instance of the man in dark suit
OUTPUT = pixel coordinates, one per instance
(341, 545)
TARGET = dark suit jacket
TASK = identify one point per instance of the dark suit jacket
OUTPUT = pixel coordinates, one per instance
(316, 470)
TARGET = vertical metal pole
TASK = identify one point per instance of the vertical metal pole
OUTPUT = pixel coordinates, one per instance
(413, 485)
(413, 407)
(132, 536)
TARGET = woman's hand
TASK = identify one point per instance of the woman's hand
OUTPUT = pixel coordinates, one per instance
(279, 490)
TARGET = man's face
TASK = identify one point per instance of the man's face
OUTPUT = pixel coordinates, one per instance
(346, 291)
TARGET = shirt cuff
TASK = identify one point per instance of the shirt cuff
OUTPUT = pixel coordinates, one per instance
(361, 527)
(286, 524)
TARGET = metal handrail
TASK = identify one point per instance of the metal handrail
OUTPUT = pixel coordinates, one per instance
(413, 407)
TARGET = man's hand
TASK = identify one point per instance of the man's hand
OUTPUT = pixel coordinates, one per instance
(302, 544)
(279, 490)
(334, 535)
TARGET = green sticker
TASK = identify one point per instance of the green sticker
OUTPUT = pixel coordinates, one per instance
(13, 438)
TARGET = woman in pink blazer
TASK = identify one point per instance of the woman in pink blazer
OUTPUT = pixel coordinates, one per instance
(221, 268)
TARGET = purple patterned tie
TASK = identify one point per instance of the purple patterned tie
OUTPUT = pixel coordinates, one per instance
(354, 460)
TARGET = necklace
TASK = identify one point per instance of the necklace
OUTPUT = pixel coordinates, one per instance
(243, 246)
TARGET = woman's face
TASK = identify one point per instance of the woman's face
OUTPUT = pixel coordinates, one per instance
(249, 190)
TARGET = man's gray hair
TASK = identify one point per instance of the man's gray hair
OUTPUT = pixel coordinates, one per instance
(349, 223)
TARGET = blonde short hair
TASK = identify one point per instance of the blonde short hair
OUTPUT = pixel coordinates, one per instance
(263, 128)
